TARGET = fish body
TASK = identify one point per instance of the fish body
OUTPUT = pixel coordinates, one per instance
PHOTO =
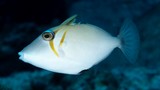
(71, 48)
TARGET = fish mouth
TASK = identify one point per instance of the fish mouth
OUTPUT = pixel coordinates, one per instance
(21, 55)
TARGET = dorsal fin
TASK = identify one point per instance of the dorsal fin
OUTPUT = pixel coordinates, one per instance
(69, 21)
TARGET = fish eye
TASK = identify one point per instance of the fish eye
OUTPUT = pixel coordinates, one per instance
(48, 36)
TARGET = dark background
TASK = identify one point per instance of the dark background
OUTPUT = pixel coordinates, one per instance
(21, 21)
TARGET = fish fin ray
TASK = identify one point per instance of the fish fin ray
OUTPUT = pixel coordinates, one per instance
(130, 41)
(69, 21)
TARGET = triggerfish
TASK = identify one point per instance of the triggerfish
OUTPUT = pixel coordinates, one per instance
(71, 47)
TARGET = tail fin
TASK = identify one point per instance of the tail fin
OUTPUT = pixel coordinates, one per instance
(129, 40)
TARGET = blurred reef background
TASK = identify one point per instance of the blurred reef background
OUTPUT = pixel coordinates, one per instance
(21, 21)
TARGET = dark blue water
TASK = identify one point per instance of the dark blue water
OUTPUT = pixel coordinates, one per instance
(21, 21)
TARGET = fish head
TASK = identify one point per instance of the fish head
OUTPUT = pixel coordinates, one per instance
(38, 51)
(45, 52)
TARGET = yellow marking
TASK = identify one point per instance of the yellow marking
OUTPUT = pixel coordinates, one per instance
(53, 48)
(63, 37)
(52, 44)
(69, 21)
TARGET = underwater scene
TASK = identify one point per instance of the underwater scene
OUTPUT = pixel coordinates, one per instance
(80, 45)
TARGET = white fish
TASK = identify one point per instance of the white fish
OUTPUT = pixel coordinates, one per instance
(71, 48)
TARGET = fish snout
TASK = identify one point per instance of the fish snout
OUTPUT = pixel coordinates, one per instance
(22, 57)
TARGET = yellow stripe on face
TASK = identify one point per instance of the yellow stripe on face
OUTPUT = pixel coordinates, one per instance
(52, 45)
(63, 37)
(53, 48)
